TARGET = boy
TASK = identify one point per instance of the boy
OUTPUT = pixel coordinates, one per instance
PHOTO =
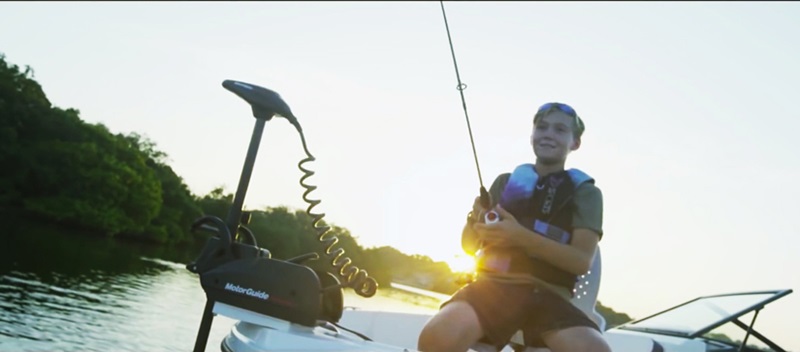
(525, 279)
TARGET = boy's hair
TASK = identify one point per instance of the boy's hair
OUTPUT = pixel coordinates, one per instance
(577, 124)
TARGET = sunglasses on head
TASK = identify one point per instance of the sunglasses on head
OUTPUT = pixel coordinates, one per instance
(561, 107)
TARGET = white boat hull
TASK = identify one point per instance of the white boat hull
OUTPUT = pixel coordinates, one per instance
(402, 329)
(388, 331)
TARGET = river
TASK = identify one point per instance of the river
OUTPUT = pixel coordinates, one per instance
(60, 291)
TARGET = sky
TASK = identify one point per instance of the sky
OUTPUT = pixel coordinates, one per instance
(690, 110)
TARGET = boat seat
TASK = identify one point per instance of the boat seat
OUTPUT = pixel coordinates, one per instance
(584, 297)
(586, 291)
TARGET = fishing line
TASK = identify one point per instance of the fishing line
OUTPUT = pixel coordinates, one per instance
(461, 87)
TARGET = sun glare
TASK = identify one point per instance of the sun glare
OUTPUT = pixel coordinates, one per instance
(462, 263)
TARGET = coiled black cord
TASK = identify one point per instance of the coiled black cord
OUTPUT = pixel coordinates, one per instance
(353, 277)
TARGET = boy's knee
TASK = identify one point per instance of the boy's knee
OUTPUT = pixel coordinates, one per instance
(434, 337)
(439, 336)
(427, 339)
(452, 329)
(577, 339)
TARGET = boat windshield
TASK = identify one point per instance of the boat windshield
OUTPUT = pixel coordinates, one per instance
(701, 315)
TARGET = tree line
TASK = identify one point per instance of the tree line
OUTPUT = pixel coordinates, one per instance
(59, 169)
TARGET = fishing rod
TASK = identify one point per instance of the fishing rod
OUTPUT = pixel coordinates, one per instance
(491, 216)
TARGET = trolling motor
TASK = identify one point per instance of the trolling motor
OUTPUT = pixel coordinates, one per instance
(237, 274)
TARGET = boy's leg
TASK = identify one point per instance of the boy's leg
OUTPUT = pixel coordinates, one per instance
(576, 339)
(483, 310)
(560, 326)
(454, 328)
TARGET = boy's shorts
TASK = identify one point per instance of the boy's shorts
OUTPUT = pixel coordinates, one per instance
(504, 308)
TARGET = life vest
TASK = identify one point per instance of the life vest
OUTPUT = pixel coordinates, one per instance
(543, 205)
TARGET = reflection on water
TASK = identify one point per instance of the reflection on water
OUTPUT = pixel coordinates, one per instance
(152, 310)
(70, 293)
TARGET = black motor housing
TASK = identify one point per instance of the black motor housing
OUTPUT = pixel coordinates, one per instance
(272, 287)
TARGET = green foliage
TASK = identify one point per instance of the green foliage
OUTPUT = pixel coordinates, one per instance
(178, 206)
(61, 169)
(69, 171)
(216, 203)
(19, 97)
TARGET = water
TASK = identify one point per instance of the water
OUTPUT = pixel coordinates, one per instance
(63, 292)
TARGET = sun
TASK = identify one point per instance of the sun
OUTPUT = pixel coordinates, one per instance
(461, 263)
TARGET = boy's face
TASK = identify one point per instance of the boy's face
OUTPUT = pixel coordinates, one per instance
(552, 138)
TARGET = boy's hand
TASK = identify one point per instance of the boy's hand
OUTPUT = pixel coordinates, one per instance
(505, 233)
(477, 209)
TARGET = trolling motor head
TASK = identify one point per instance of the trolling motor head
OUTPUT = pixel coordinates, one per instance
(265, 102)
